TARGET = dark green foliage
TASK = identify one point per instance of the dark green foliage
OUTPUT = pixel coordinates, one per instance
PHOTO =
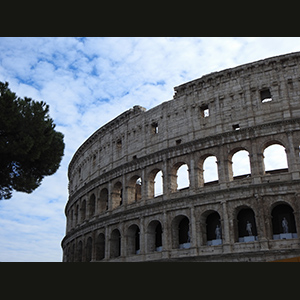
(30, 148)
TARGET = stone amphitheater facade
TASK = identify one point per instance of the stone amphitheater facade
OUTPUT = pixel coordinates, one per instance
(114, 213)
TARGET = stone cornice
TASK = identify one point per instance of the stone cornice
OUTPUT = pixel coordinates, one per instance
(228, 74)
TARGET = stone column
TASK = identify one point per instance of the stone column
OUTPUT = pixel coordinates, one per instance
(226, 230)
(297, 213)
(166, 178)
(144, 187)
(149, 188)
(292, 157)
(97, 196)
(93, 256)
(123, 243)
(192, 175)
(124, 191)
(193, 228)
(130, 194)
(110, 196)
(107, 242)
(172, 183)
(142, 236)
(256, 162)
(261, 223)
(267, 219)
(166, 236)
(199, 176)
(297, 221)
(224, 167)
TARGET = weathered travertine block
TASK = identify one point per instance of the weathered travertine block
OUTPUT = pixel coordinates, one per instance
(114, 214)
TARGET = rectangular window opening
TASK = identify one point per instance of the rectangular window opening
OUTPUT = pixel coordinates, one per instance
(265, 96)
(204, 111)
(154, 128)
(119, 144)
(236, 127)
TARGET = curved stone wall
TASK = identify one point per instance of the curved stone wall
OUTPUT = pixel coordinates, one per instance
(114, 214)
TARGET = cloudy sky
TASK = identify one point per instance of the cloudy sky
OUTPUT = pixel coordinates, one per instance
(87, 82)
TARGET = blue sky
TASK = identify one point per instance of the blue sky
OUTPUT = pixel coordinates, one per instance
(87, 82)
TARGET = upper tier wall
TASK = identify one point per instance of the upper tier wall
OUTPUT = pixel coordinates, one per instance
(216, 103)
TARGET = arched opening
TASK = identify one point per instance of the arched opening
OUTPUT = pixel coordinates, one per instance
(138, 189)
(154, 236)
(241, 165)
(117, 195)
(100, 247)
(181, 232)
(134, 189)
(158, 237)
(183, 180)
(88, 249)
(283, 222)
(158, 184)
(275, 159)
(246, 224)
(133, 240)
(103, 200)
(155, 183)
(83, 210)
(115, 244)
(210, 170)
(213, 229)
(184, 233)
(92, 203)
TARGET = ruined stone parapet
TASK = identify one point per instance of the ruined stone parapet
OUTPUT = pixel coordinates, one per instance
(113, 212)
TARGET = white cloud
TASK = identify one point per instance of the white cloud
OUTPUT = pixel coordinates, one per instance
(88, 82)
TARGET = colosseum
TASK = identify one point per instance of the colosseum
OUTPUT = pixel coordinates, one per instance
(127, 202)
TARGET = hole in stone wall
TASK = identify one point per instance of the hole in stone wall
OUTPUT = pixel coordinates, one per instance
(210, 170)
(103, 200)
(158, 184)
(283, 222)
(119, 144)
(115, 243)
(183, 180)
(265, 95)
(241, 164)
(117, 195)
(138, 189)
(275, 158)
(236, 127)
(204, 111)
(154, 128)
